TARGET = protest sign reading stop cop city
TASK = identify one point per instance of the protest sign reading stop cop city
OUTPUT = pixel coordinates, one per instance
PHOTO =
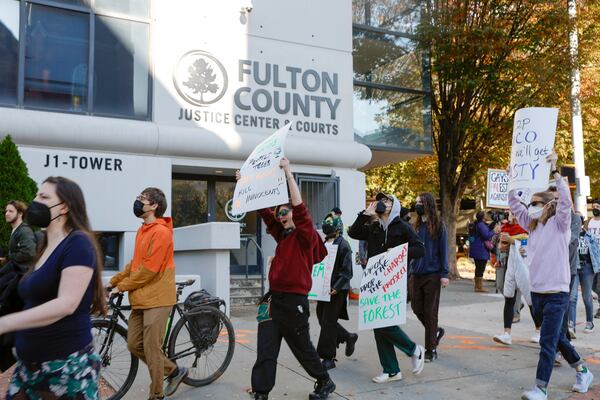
(321, 275)
(382, 300)
(497, 189)
(262, 183)
(534, 131)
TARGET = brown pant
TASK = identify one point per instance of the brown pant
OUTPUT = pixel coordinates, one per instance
(144, 340)
(425, 303)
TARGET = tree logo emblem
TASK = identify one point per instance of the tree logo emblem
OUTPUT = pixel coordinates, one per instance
(200, 78)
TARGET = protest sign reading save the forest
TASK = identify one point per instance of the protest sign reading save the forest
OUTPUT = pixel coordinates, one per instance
(262, 182)
(321, 275)
(382, 300)
(534, 131)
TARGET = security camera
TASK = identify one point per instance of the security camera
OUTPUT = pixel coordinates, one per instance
(247, 6)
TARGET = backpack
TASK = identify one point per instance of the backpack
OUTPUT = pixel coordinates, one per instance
(472, 232)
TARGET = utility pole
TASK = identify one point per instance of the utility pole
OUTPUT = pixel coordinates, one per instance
(581, 180)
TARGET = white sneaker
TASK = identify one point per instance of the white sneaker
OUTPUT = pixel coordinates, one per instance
(584, 380)
(572, 332)
(536, 337)
(503, 339)
(534, 394)
(384, 378)
(589, 327)
(418, 360)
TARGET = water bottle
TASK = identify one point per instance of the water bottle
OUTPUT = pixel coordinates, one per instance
(524, 246)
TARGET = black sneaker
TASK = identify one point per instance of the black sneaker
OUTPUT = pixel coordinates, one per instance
(322, 390)
(440, 334)
(430, 355)
(351, 344)
(597, 315)
(261, 396)
(328, 363)
(175, 380)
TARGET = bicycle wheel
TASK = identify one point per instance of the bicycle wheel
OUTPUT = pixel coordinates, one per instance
(119, 366)
(208, 352)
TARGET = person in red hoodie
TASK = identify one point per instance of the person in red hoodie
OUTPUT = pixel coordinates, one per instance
(284, 311)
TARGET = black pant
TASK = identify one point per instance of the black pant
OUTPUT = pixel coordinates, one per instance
(425, 303)
(480, 267)
(509, 313)
(332, 333)
(289, 320)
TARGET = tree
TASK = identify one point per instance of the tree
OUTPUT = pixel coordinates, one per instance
(488, 59)
(201, 78)
(15, 183)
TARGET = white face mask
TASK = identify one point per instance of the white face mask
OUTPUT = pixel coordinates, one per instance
(535, 212)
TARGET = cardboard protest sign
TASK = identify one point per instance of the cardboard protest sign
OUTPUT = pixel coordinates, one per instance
(497, 189)
(382, 300)
(534, 131)
(262, 182)
(321, 275)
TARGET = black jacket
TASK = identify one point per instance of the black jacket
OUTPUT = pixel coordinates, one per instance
(22, 245)
(10, 302)
(379, 240)
(342, 269)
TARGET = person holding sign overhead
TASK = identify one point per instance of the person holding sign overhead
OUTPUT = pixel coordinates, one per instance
(283, 312)
(548, 221)
(386, 232)
(328, 312)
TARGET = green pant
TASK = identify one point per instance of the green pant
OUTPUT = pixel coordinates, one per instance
(386, 339)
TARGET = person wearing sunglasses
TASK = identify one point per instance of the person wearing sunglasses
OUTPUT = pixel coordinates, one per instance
(549, 221)
(283, 312)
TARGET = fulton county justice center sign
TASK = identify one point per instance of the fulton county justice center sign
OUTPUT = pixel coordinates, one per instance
(265, 95)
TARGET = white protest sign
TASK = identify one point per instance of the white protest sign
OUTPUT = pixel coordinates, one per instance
(382, 300)
(534, 131)
(497, 189)
(321, 275)
(262, 182)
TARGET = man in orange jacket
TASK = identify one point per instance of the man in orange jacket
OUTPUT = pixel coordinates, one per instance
(150, 280)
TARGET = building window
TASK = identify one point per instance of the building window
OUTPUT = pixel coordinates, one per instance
(81, 56)
(109, 244)
(189, 199)
(392, 96)
(320, 194)
(9, 51)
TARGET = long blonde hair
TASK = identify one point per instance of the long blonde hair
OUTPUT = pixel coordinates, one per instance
(549, 209)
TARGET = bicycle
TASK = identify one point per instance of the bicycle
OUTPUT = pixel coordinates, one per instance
(200, 334)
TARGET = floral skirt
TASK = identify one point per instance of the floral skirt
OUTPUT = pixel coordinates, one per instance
(74, 377)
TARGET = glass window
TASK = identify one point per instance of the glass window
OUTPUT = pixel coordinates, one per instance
(190, 202)
(391, 119)
(109, 243)
(394, 15)
(81, 3)
(9, 51)
(56, 58)
(133, 8)
(320, 194)
(121, 68)
(387, 59)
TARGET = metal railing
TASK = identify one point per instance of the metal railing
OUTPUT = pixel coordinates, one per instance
(247, 240)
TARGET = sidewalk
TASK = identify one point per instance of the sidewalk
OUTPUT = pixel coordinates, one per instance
(470, 364)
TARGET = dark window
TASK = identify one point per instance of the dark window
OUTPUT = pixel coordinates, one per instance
(133, 8)
(121, 77)
(320, 194)
(394, 15)
(9, 51)
(109, 243)
(189, 202)
(56, 58)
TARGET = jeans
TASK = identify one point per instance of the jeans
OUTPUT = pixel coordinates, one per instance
(480, 267)
(585, 277)
(551, 308)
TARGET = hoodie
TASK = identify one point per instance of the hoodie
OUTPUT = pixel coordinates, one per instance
(150, 275)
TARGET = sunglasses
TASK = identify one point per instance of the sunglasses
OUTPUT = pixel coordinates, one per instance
(536, 203)
(283, 212)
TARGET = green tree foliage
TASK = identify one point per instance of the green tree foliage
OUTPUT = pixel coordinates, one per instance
(15, 183)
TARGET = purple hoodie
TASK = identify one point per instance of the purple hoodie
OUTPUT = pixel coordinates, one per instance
(548, 244)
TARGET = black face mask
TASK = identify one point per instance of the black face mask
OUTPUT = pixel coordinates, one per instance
(328, 229)
(381, 207)
(38, 214)
(596, 212)
(420, 209)
(138, 208)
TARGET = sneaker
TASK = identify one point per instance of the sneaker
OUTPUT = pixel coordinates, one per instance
(516, 319)
(440, 334)
(430, 356)
(534, 394)
(583, 381)
(557, 360)
(589, 327)
(322, 390)
(350, 344)
(384, 378)
(328, 363)
(571, 330)
(261, 396)
(536, 337)
(418, 360)
(505, 339)
(175, 380)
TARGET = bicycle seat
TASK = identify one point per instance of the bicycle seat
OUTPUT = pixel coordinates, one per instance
(189, 282)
